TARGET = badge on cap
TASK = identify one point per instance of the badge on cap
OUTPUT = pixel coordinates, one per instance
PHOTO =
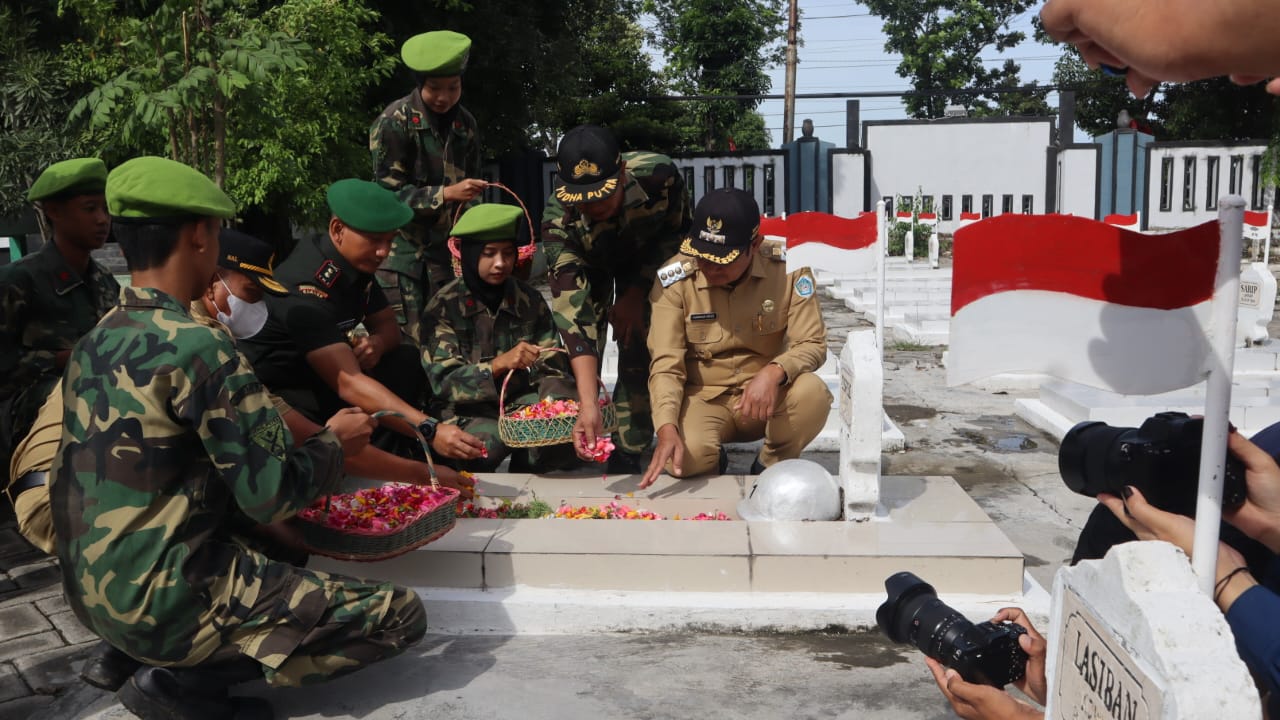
(585, 167)
(804, 286)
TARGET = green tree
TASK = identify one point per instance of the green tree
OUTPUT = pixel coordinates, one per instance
(37, 91)
(265, 97)
(941, 43)
(1007, 104)
(719, 47)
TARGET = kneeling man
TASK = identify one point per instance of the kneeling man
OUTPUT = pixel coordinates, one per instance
(735, 341)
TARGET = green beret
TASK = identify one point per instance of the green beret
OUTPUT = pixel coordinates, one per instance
(488, 222)
(367, 206)
(81, 176)
(442, 53)
(157, 188)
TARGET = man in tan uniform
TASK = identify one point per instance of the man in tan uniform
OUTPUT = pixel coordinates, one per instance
(735, 341)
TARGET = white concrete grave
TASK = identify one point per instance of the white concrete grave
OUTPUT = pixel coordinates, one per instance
(1132, 637)
(861, 412)
(1257, 304)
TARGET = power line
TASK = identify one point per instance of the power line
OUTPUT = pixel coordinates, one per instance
(932, 92)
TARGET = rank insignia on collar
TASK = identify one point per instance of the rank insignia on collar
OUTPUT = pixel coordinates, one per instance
(328, 274)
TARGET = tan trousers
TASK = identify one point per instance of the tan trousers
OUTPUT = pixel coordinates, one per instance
(35, 517)
(705, 425)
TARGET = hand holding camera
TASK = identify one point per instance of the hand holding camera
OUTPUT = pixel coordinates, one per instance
(1259, 515)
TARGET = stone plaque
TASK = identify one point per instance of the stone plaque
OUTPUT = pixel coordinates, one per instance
(1099, 678)
(1250, 294)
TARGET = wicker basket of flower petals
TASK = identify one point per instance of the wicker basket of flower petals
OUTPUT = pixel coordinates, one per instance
(382, 522)
(546, 422)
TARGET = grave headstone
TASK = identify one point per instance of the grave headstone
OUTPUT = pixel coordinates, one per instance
(1257, 304)
(861, 423)
(1133, 637)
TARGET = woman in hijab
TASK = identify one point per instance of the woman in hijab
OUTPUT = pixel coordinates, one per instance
(484, 326)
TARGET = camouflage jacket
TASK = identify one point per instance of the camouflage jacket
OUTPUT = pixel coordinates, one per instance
(624, 251)
(460, 339)
(45, 307)
(412, 157)
(167, 433)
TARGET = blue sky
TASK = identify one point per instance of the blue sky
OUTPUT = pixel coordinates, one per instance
(843, 51)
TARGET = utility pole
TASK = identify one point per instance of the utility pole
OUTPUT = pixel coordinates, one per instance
(789, 103)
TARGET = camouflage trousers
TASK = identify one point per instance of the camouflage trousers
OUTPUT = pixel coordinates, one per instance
(318, 626)
(631, 393)
(407, 292)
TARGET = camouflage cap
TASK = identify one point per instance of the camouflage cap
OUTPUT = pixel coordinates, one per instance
(80, 176)
(725, 222)
(247, 254)
(367, 206)
(442, 53)
(588, 165)
(157, 189)
(488, 222)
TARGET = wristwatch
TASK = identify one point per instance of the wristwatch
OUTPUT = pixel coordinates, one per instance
(428, 428)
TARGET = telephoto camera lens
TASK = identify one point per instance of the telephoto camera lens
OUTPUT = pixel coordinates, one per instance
(985, 653)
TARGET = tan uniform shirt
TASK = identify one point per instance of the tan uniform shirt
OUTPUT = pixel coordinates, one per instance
(706, 341)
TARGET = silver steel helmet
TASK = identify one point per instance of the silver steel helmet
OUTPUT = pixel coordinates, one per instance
(792, 490)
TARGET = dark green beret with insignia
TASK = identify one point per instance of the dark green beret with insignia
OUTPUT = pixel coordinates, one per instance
(367, 206)
(158, 189)
(80, 176)
(488, 222)
(442, 53)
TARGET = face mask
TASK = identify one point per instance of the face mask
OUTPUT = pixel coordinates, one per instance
(246, 318)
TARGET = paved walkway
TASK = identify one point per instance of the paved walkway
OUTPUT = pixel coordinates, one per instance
(41, 643)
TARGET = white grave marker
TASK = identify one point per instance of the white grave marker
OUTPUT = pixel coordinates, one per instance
(1133, 637)
(861, 423)
(1257, 303)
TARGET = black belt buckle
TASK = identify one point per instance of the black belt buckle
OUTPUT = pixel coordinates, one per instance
(33, 479)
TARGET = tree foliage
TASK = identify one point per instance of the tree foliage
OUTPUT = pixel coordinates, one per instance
(941, 43)
(265, 97)
(37, 91)
(719, 47)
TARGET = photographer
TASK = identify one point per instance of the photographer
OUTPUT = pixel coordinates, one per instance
(1250, 608)
(973, 701)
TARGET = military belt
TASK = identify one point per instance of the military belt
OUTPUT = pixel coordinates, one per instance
(33, 479)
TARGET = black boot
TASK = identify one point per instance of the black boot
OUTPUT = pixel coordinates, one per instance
(624, 463)
(156, 693)
(724, 461)
(757, 467)
(107, 667)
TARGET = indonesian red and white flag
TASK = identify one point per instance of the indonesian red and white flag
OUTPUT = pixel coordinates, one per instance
(826, 242)
(1083, 301)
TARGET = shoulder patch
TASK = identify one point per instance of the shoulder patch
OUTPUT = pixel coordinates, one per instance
(270, 436)
(313, 291)
(804, 286)
(669, 275)
(774, 250)
(328, 274)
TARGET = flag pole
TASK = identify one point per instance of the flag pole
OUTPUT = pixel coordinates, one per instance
(1222, 346)
(882, 237)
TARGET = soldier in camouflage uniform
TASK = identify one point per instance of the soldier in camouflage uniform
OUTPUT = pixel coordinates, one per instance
(49, 299)
(484, 326)
(426, 148)
(167, 436)
(608, 226)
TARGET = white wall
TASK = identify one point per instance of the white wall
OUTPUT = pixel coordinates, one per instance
(848, 183)
(1077, 181)
(1156, 217)
(960, 157)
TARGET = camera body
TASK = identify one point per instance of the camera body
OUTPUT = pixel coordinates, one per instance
(1161, 458)
(986, 653)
